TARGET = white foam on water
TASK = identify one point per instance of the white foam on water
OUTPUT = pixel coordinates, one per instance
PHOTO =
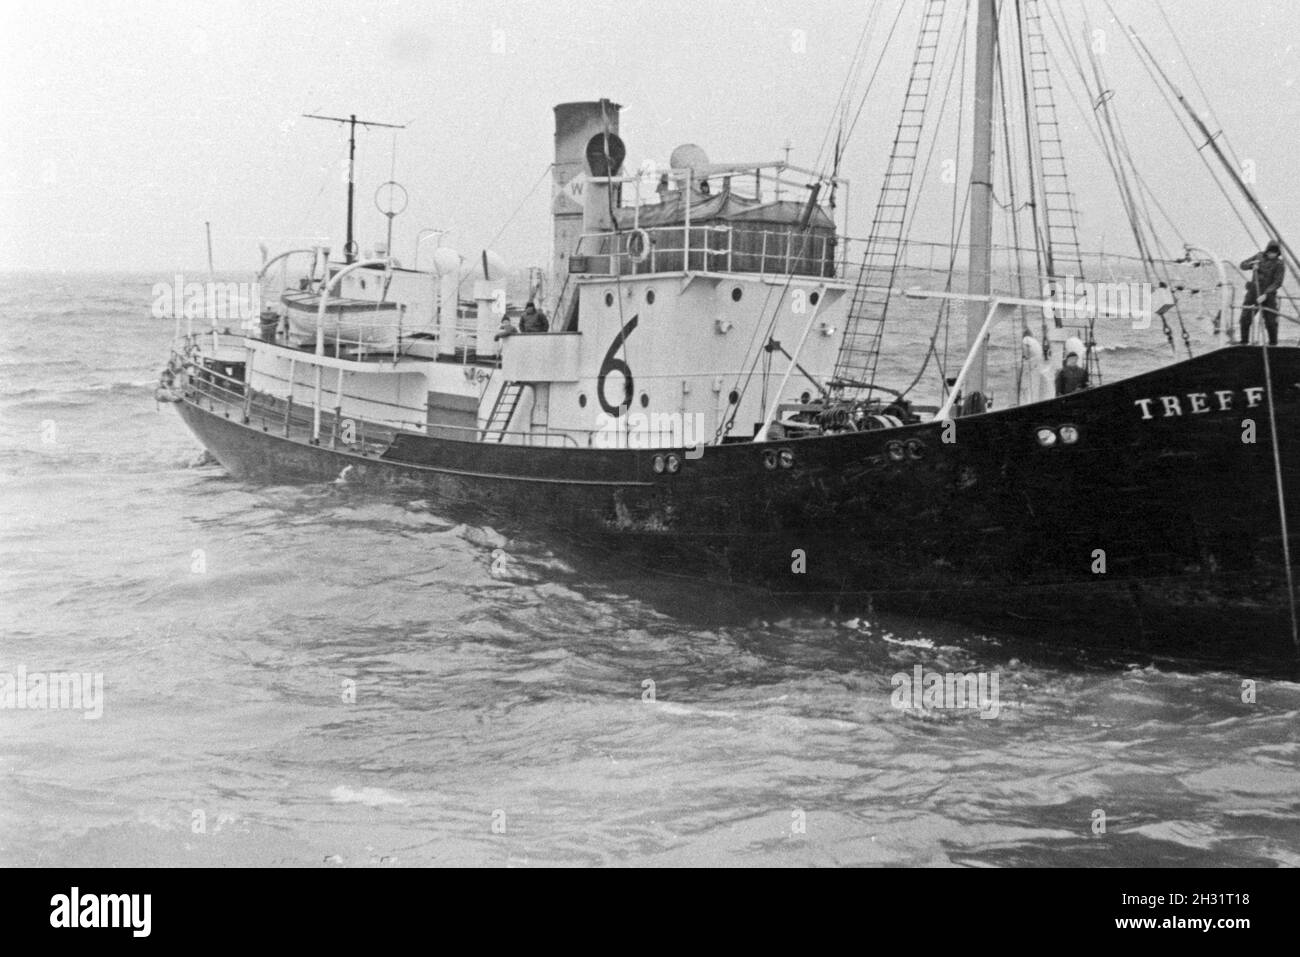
(371, 797)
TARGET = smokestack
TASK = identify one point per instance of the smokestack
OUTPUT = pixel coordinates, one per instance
(575, 125)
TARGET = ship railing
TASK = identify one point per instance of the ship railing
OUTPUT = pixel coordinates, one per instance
(738, 248)
(222, 393)
(626, 437)
(707, 248)
(474, 433)
(998, 309)
(210, 386)
(714, 247)
(1017, 272)
(294, 419)
(203, 379)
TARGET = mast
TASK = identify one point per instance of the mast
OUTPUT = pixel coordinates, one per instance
(981, 191)
(350, 247)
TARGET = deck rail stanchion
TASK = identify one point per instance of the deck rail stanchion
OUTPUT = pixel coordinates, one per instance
(686, 223)
(326, 286)
(248, 383)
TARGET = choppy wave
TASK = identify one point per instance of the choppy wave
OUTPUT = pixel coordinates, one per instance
(82, 394)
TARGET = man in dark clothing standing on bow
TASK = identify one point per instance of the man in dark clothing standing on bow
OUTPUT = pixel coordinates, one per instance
(1072, 377)
(532, 320)
(1261, 290)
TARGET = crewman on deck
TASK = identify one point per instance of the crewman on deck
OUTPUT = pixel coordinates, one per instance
(533, 320)
(1267, 274)
(505, 330)
(1072, 377)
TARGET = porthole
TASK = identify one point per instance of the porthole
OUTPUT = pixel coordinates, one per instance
(645, 400)
(734, 397)
(805, 398)
(609, 299)
(769, 459)
(1069, 434)
(736, 294)
(815, 298)
(1046, 438)
(673, 464)
(896, 451)
(582, 400)
(915, 449)
(658, 465)
(650, 297)
(787, 459)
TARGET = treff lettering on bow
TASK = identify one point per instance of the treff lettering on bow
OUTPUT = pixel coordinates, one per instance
(1200, 403)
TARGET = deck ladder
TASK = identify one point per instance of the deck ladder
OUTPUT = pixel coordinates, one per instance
(503, 410)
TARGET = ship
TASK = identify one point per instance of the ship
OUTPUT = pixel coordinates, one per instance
(709, 394)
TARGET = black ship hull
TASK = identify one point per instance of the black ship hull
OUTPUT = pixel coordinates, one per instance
(1159, 528)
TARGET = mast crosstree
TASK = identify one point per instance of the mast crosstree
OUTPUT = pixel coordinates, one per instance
(350, 247)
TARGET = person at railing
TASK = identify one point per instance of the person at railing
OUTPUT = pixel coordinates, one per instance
(268, 324)
(1268, 271)
(505, 330)
(1072, 377)
(533, 320)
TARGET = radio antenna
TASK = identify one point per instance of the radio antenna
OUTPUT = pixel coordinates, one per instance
(350, 247)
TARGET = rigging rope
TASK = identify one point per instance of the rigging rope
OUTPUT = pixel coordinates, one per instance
(510, 219)
(1281, 497)
(1120, 159)
(919, 189)
(769, 327)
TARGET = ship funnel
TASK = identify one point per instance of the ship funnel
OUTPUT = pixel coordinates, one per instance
(577, 158)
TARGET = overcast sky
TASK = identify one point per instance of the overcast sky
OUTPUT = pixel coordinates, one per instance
(127, 124)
